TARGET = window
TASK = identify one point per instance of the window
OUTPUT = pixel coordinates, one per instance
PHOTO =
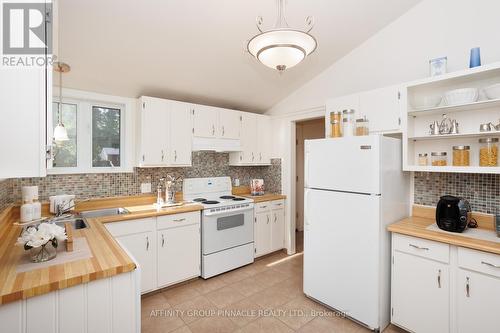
(65, 153)
(106, 138)
(96, 126)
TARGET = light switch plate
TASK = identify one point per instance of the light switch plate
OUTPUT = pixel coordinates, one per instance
(146, 188)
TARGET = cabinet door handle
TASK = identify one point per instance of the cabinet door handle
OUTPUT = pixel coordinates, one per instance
(143, 157)
(275, 218)
(175, 155)
(253, 157)
(179, 220)
(223, 131)
(162, 155)
(162, 240)
(419, 247)
(213, 129)
(260, 156)
(467, 287)
(439, 279)
(490, 264)
(147, 243)
(267, 219)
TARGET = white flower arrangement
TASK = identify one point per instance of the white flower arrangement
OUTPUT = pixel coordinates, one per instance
(35, 237)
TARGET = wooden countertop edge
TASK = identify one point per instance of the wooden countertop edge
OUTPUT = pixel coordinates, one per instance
(8, 215)
(265, 197)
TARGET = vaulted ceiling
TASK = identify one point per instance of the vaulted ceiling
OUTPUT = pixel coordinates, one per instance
(195, 50)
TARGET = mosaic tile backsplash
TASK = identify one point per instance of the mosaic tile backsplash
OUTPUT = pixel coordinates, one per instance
(6, 193)
(481, 190)
(205, 164)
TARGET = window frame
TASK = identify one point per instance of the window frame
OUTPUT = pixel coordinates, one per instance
(84, 102)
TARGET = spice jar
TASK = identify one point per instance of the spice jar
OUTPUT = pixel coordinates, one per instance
(439, 158)
(336, 124)
(461, 155)
(488, 152)
(422, 159)
(362, 126)
(349, 123)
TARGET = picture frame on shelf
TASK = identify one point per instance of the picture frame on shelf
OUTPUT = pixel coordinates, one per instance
(438, 66)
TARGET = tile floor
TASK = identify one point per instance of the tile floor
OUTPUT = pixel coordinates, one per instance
(265, 296)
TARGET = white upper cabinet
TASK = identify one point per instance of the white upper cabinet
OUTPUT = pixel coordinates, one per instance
(255, 141)
(264, 145)
(205, 121)
(229, 124)
(381, 107)
(181, 125)
(153, 136)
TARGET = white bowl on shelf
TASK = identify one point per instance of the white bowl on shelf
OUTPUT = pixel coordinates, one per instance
(426, 102)
(493, 91)
(461, 96)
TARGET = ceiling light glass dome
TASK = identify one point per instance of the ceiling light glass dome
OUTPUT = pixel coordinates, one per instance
(282, 48)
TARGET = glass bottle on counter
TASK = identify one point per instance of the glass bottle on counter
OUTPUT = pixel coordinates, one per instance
(349, 122)
(439, 158)
(336, 124)
(423, 160)
(488, 152)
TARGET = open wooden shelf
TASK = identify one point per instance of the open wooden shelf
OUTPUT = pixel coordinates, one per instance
(456, 136)
(453, 169)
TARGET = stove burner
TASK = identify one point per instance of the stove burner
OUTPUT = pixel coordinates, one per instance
(238, 199)
(210, 202)
(227, 197)
(199, 200)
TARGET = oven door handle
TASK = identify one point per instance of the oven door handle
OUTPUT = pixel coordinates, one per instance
(207, 212)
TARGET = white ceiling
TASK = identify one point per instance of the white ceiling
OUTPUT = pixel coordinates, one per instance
(195, 50)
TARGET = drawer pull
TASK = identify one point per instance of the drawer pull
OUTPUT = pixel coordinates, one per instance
(263, 206)
(162, 240)
(467, 287)
(179, 220)
(439, 279)
(490, 264)
(419, 247)
(278, 204)
(147, 243)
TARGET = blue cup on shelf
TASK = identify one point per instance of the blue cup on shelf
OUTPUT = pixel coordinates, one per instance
(475, 57)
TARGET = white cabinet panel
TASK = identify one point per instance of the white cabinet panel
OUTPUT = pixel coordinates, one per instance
(99, 307)
(22, 129)
(205, 121)
(278, 229)
(142, 247)
(229, 124)
(381, 107)
(179, 254)
(180, 128)
(70, 312)
(40, 313)
(478, 298)
(154, 140)
(262, 233)
(420, 294)
(263, 140)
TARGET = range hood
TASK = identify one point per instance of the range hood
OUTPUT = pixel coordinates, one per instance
(215, 144)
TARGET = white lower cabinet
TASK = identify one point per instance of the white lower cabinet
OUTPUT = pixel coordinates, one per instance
(179, 254)
(166, 247)
(441, 288)
(420, 290)
(269, 231)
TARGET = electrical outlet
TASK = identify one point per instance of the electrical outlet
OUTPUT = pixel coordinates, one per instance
(146, 188)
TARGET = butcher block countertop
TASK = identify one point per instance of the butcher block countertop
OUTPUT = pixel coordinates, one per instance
(108, 258)
(244, 191)
(423, 217)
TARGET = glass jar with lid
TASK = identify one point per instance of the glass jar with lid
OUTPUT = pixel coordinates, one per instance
(488, 152)
(349, 122)
(362, 126)
(336, 124)
(461, 155)
(439, 158)
(423, 160)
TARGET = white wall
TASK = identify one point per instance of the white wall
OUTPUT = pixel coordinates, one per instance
(398, 53)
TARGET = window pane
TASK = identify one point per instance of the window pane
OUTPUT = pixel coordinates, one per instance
(105, 137)
(65, 155)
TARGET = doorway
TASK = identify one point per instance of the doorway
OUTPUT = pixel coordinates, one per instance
(304, 130)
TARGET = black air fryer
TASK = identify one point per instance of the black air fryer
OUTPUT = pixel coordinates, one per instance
(453, 213)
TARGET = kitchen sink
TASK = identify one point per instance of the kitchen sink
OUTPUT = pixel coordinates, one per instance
(103, 212)
(76, 223)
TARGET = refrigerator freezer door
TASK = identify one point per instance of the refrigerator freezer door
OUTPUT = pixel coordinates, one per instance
(344, 164)
(341, 252)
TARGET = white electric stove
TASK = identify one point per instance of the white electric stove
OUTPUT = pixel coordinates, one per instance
(226, 227)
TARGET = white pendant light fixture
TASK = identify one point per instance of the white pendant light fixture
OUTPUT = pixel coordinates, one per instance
(282, 47)
(60, 132)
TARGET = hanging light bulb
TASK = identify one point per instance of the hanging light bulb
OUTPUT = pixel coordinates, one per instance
(282, 47)
(60, 132)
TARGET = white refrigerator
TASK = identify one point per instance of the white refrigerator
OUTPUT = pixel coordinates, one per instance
(354, 188)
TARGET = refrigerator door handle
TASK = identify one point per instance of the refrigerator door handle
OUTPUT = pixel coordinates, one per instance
(306, 220)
